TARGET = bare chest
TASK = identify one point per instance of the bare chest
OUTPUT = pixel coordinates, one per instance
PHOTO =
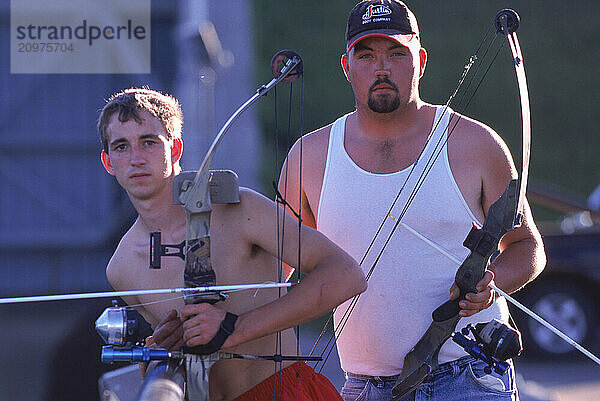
(383, 156)
(232, 261)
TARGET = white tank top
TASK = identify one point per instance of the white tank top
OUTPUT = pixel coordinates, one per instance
(412, 278)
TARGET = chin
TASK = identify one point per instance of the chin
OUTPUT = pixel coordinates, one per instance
(384, 106)
(141, 193)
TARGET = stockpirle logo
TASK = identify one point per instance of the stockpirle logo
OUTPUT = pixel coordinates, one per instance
(376, 10)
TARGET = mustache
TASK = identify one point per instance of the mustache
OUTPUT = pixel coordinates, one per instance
(383, 81)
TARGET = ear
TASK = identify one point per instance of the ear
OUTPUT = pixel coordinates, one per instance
(344, 62)
(106, 162)
(176, 150)
(422, 61)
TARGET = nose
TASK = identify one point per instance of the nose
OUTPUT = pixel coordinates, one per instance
(136, 157)
(383, 70)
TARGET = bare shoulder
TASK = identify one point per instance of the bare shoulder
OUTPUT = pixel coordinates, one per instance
(255, 219)
(474, 145)
(303, 172)
(249, 227)
(119, 272)
(474, 137)
(253, 208)
(312, 148)
(480, 161)
(249, 211)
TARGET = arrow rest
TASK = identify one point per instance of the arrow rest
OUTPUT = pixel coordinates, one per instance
(507, 19)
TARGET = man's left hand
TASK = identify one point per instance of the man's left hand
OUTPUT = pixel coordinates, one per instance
(476, 302)
(201, 323)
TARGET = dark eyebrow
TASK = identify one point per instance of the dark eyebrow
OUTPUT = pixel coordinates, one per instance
(119, 141)
(149, 136)
(360, 46)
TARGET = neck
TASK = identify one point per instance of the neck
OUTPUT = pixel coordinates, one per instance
(406, 119)
(159, 213)
(168, 219)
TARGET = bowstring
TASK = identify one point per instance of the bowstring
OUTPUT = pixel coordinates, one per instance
(281, 223)
(280, 231)
(300, 132)
(439, 147)
(428, 165)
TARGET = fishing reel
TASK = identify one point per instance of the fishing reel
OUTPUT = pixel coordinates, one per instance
(122, 326)
(124, 330)
(494, 343)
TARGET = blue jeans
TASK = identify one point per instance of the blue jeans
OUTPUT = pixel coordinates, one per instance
(460, 380)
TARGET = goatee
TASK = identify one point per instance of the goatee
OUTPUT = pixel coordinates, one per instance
(383, 103)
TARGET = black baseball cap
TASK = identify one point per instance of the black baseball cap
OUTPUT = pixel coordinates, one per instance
(390, 19)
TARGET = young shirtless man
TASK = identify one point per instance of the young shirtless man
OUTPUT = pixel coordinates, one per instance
(140, 131)
(352, 171)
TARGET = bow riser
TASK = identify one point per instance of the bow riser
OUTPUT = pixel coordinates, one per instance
(483, 243)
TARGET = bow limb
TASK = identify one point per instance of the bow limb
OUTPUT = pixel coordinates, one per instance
(199, 187)
(507, 22)
(195, 197)
(499, 222)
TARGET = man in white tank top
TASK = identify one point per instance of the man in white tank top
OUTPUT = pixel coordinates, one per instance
(353, 169)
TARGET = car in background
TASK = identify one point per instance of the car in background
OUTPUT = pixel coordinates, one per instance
(567, 292)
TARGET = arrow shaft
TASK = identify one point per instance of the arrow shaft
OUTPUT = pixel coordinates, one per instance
(108, 294)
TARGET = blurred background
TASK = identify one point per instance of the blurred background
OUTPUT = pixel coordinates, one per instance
(61, 215)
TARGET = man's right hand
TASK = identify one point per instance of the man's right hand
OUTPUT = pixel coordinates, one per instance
(168, 334)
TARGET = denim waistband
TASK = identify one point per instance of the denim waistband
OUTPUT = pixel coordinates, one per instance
(452, 367)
